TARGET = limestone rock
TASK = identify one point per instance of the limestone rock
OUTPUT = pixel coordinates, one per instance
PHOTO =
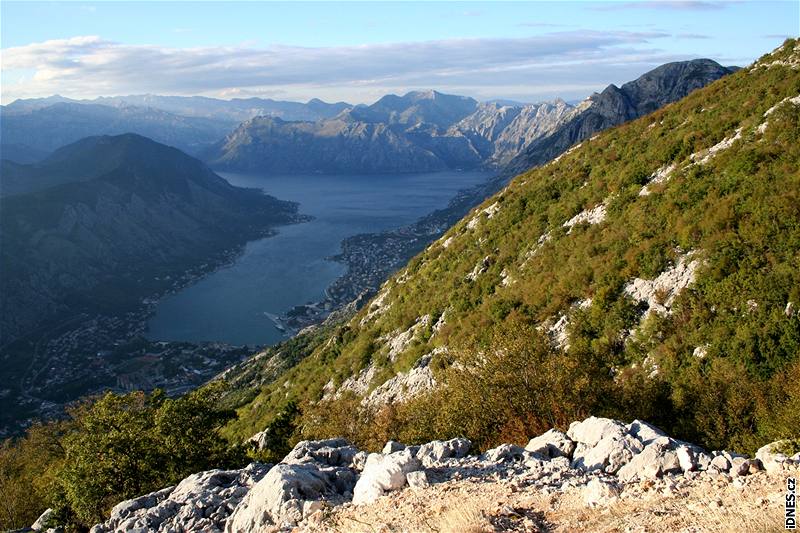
(417, 479)
(594, 429)
(435, 452)
(687, 458)
(279, 499)
(330, 452)
(720, 463)
(553, 443)
(598, 492)
(657, 458)
(41, 522)
(393, 446)
(608, 455)
(645, 432)
(382, 474)
(201, 502)
(505, 453)
(771, 459)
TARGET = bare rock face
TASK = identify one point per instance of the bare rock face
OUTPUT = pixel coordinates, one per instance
(201, 502)
(609, 454)
(616, 105)
(594, 429)
(313, 474)
(329, 452)
(655, 460)
(279, 500)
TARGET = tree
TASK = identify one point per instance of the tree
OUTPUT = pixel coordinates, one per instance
(125, 446)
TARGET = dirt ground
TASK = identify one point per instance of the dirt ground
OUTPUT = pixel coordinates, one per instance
(703, 503)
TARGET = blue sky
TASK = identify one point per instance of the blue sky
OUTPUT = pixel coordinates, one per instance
(358, 51)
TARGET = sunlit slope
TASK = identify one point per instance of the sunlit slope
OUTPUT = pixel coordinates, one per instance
(663, 253)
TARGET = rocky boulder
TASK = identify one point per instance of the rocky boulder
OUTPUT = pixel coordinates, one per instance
(436, 452)
(656, 459)
(609, 454)
(312, 474)
(384, 473)
(201, 502)
(330, 452)
(646, 433)
(598, 492)
(772, 459)
(592, 430)
(507, 452)
(554, 443)
(41, 522)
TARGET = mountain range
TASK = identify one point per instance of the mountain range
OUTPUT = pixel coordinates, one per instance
(420, 131)
(191, 123)
(426, 130)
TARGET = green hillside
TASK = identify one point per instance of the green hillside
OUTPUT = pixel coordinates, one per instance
(702, 196)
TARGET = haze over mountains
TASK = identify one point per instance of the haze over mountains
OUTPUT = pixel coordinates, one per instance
(190, 123)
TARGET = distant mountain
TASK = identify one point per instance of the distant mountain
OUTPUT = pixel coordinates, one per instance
(66, 122)
(500, 132)
(339, 145)
(615, 105)
(235, 110)
(419, 131)
(427, 130)
(416, 107)
(21, 153)
(105, 215)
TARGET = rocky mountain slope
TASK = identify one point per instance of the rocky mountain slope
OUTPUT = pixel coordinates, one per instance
(427, 130)
(647, 272)
(557, 481)
(616, 105)
(106, 214)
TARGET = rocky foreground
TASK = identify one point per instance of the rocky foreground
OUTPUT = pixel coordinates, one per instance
(601, 475)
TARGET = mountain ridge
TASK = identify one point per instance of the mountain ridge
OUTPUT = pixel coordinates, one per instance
(428, 130)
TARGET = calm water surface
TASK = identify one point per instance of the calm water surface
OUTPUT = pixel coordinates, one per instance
(276, 273)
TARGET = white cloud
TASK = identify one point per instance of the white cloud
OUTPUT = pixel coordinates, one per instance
(694, 5)
(88, 66)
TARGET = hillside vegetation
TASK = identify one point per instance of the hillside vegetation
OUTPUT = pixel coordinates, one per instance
(650, 272)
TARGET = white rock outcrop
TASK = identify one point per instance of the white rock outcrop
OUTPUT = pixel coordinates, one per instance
(605, 458)
(660, 293)
(312, 475)
(589, 216)
(659, 176)
(437, 451)
(598, 492)
(201, 502)
(405, 385)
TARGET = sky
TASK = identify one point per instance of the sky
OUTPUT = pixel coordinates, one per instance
(358, 51)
